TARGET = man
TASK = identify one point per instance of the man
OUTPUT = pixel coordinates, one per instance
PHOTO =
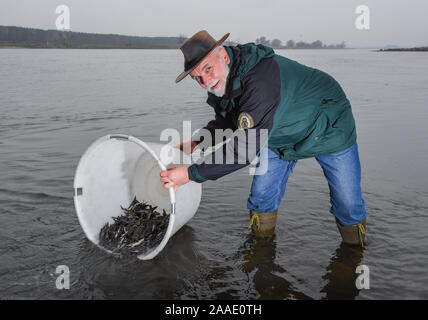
(305, 112)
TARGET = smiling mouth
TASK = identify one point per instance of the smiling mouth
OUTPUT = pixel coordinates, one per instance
(216, 85)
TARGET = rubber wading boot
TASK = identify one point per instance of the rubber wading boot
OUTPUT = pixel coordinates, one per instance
(263, 223)
(354, 234)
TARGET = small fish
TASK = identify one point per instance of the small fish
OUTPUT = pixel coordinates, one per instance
(136, 243)
(139, 221)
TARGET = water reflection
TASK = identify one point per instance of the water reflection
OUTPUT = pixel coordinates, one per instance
(259, 257)
(104, 276)
(180, 269)
(341, 274)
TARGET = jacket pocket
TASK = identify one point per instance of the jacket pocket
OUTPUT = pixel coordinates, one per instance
(334, 109)
(314, 140)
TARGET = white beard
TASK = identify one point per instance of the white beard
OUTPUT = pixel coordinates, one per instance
(220, 91)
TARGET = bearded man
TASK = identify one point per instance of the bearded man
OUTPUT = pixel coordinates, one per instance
(305, 112)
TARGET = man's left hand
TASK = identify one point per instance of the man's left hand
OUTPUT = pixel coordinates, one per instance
(174, 177)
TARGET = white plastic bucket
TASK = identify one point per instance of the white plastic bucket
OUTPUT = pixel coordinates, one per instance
(115, 169)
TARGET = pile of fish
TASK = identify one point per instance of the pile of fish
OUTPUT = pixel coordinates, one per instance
(136, 231)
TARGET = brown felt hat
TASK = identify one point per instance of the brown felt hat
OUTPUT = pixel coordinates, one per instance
(199, 46)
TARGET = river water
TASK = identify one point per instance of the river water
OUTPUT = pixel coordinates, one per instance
(55, 103)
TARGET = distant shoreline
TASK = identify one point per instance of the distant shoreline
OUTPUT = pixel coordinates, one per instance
(152, 48)
(21, 37)
(26, 46)
(12, 37)
(417, 49)
(81, 48)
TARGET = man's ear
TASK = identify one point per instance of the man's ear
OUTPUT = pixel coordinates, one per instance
(224, 55)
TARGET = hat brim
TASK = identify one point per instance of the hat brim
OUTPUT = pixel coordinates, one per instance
(185, 73)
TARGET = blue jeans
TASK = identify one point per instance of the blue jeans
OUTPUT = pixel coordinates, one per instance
(341, 169)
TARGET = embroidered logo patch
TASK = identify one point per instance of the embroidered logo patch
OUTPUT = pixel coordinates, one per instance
(245, 121)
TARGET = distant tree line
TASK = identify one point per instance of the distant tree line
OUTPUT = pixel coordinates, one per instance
(291, 44)
(36, 38)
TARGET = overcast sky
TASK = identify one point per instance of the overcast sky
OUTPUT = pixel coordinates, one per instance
(399, 22)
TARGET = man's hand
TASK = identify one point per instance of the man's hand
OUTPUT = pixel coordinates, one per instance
(174, 177)
(186, 146)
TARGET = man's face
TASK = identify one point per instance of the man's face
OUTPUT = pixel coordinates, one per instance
(211, 73)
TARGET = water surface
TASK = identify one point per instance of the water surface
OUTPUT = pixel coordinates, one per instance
(55, 103)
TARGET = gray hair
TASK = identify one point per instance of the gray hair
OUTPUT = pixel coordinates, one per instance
(216, 51)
